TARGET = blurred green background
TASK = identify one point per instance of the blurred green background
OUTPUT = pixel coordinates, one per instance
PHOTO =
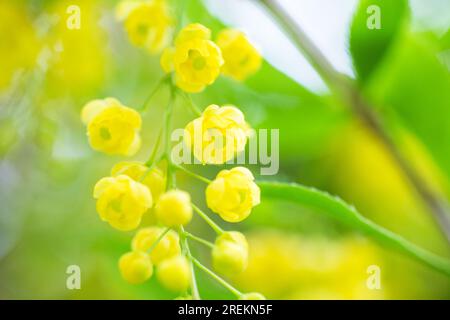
(47, 170)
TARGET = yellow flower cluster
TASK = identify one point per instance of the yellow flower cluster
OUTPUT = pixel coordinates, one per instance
(218, 135)
(112, 127)
(197, 61)
(148, 23)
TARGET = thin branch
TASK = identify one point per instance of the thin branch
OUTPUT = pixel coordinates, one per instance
(348, 91)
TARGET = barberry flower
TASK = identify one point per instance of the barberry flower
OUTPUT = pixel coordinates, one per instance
(230, 253)
(155, 179)
(148, 23)
(135, 267)
(174, 273)
(174, 208)
(166, 248)
(252, 296)
(242, 59)
(121, 201)
(218, 135)
(111, 127)
(233, 194)
(195, 59)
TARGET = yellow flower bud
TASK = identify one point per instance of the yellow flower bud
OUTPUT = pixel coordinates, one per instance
(135, 267)
(174, 208)
(148, 24)
(230, 253)
(252, 296)
(155, 179)
(196, 60)
(121, 201)
(174, 273)
(166, 248)
(111, 127)
(218, 135)
(233, 194)
(241, 58)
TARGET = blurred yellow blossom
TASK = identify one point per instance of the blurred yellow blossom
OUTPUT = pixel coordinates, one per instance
(310, 268)
(135, 267)
(19, 44)
(195, 59)
(233, 194)
(166, 248)
(155, 178)
(174, 208)
(148, 23)
(241, 57)
(175, 273)
(230, 253)
(121, 201)
(111, 127)
(218, 135)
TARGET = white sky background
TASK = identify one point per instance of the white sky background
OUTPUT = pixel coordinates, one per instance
(325, 21)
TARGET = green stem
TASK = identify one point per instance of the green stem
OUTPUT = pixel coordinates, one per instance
(337, 209)
(185, 245)
(199, 240)
(192, 174)
(158, 86)
(158, 240)
(235, 291)
(152, 157)
(192, 106)
(208, 220)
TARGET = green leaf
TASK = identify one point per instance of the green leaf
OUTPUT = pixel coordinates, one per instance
(337, 209)
(412, 87)
(368, 46)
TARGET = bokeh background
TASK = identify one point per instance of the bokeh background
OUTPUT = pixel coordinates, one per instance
(47, 170)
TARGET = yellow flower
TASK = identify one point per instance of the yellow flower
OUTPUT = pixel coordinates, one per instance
(196, 60)
(111, 127)
(174, 208)
(252, 296)
(233, 194)
(166, 248)
(218, 135)
(148, 23)
(155, 179)
(121, 201)
(135, 267)
(241, 58)
(174, 273)
(230, 253)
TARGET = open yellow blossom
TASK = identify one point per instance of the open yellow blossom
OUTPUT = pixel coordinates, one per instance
(155, 178)
(174, 273)
(174, 208)
(166, 248)
(148, 23)
(111, 127)
(135, 267)
(252, 296)
(218, 135)
(242, 59)
(196, 59)
(233, 194)
(121, 201)
(230, 253)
